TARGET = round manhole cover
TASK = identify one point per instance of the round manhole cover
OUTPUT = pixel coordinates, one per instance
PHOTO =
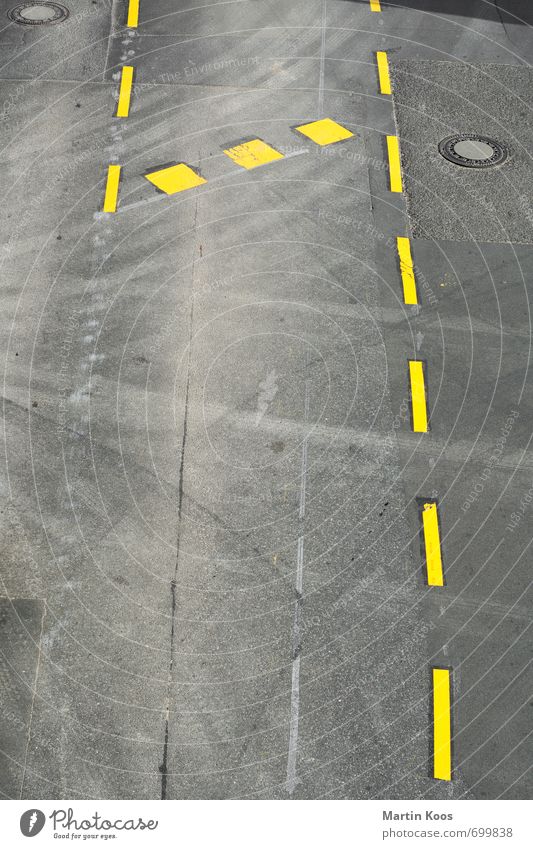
(473, 151)
(38, 13)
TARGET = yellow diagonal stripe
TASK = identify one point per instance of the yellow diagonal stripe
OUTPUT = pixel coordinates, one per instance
(175, 178)
(111, 189)
(407, 270)
(430, 524)
(383, 71)
(253, 153)
(325, 131)
(395, 168)
(418, 396)
(442, 725)
(124, 96)
(375, 6)
(133, 13)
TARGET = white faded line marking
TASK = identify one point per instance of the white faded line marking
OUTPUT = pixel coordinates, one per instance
(292, 779)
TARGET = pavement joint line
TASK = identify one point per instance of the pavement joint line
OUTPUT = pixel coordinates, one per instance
(441, 680)
(432, 543)
(407, 271)
(124, 96)
(395, 168)
(111, 191)
(133, 14)
(383, 72)
(418, 397)
(375, 6)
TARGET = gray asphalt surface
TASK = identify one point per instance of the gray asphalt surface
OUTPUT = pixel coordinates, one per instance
(212, 577)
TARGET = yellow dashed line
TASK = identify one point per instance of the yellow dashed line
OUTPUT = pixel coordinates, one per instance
(253, 153)
(430, 525)
(124, 97)
(383, 71)
(418, 396)
(407, 270)
(176, 178)
(133, 13)
(442, 725)
(375, 6)
(111, 190)
(395, 169)
(325, 131)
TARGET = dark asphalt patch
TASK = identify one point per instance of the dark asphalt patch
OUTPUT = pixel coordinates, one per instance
(433, 100)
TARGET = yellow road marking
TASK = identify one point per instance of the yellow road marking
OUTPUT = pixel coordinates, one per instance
(253, 153)
(430, 524)
(133, 13)
(325, 131)
(418, 396)
(383, 71)
(176, 178)
(111, 189)
(375, 6)
(395, 168)
(124, 96)
(407, 270)
(442, 725)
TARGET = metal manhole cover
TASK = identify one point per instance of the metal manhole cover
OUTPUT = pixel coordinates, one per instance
(38, 13)
(473, 151)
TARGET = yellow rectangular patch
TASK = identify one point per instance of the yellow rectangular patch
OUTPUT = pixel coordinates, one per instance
(325, 131)
(133, 13)
(375, 6)
(442, 725)
(432, 547)
(124, 96)
(395, 168)
(111, 189)
(418, 396)
(407, 270)
(383, 71)
(175, 178)
(253, 153)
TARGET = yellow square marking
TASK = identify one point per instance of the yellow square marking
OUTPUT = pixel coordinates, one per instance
(407, 271)
(430, 523)
(325, 131)
(133, 13)
(395, 167)
(253, 153)
(442, 725)
(111, 189)
(124, 96)
(418, 396)
(175, 179)
(383, 71)
(375, 6)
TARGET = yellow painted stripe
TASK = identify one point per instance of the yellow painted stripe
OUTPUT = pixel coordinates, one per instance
(394, 164)
(375, 6)
(133, 13)
(442, 725)
(418, 396)
(124, 96)
(407, 271)
(111, 190)
(383, 71)
(430, 524)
